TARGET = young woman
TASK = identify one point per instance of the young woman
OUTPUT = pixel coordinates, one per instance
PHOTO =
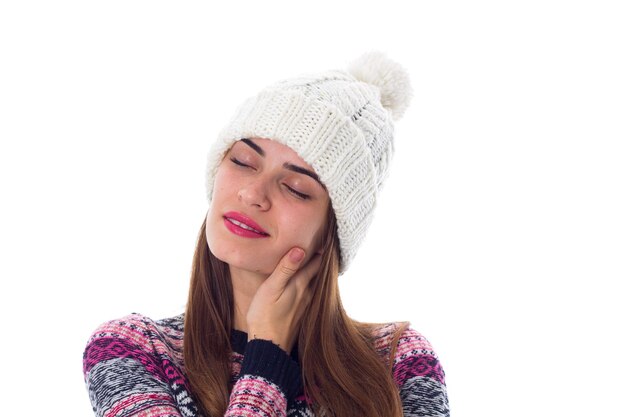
(292, 182)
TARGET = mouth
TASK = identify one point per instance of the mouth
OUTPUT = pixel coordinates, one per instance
(238, 222)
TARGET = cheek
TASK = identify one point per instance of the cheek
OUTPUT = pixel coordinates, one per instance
(222, 181)
(224, 190)
(210, 230)
(214, 219)
(303, 230)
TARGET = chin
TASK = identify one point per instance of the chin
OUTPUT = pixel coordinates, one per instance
(237, 258)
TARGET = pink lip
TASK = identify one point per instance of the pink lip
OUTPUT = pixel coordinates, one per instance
(245, 220)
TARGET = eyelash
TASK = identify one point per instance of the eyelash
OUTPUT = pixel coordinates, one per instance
(239, 163)
(291, 190)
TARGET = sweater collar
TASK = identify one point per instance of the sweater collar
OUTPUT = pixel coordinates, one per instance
(238, 340)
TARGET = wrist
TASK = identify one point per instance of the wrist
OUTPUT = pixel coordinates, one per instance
(265, 359)
(281, 342)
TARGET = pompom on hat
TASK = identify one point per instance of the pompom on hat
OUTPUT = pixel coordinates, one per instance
(340, 123)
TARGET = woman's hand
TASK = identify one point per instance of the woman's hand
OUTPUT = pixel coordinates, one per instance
(276, 308)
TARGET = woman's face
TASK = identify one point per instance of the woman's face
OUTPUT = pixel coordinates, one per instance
(264, 185)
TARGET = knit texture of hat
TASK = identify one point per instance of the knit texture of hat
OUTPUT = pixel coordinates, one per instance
(341, 124)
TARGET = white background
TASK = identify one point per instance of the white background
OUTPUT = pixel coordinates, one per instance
(500, 233)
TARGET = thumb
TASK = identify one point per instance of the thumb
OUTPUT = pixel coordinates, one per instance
(287, 266)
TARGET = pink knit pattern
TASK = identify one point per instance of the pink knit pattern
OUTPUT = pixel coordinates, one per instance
(134, 366)
(253, 396)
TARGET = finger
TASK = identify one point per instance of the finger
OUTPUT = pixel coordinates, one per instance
(286, 267)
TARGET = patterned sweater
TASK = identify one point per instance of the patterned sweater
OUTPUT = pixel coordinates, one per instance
(133, 366)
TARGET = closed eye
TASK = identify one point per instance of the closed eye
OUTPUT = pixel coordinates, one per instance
(297, 193)
(239, 163)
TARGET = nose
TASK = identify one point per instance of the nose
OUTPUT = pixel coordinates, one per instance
(254, 194)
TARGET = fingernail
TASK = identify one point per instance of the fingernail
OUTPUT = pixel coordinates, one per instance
(296, 255)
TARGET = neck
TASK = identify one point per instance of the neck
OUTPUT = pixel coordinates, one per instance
(245, 284)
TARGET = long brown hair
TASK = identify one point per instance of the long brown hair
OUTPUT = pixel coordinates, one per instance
(342, 373)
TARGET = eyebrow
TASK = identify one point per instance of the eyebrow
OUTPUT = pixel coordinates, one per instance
(287, 165)
(254, 146)
(296, 168)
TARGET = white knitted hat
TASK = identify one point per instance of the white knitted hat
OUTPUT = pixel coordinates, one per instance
(341, 124)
